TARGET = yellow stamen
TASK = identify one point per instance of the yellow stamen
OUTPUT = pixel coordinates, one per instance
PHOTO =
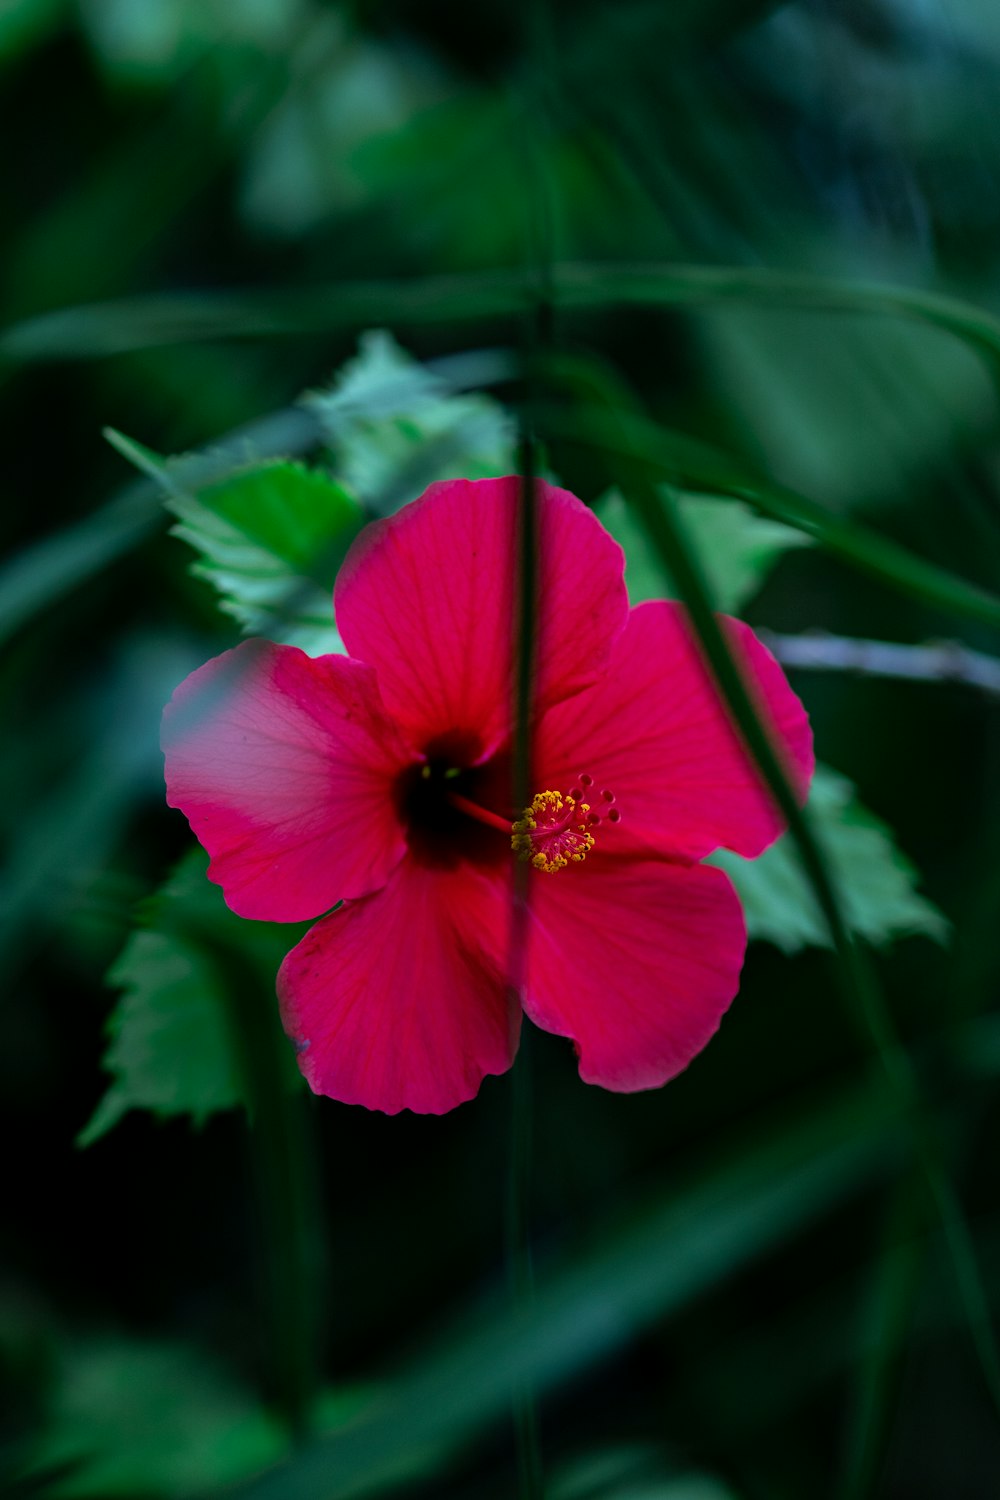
(552, 832)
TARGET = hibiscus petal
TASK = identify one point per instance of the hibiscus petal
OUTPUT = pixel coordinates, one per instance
(284, 766)
(637, 961)
(655, 731)
(398, 1001)
(428, 598)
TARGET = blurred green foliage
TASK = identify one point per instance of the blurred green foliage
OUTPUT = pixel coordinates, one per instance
(783, 228)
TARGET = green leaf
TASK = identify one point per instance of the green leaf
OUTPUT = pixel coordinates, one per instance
(738, 548)
(172, 1047)
(271, 540)
(395, 426)
(151, 1419)
(159, 1419)
(877, 883)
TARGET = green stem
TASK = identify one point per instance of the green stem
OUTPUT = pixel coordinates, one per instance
(526, 1433)
(518, 1243)
(539, 335)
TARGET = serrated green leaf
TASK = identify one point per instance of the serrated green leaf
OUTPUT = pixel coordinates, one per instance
(172, 1049)
(737, 548)
(877, 881)
(395, 427)
(381, 381)
(271, 540)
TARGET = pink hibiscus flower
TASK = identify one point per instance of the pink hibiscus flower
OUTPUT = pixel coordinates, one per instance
(382, 780)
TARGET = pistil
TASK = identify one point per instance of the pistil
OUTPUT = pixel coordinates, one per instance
(481, 814)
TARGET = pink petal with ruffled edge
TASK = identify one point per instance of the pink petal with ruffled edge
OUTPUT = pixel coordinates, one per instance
(637, 961)
(284, 766)
(428, 598)
(399, 1001)
(655, 731)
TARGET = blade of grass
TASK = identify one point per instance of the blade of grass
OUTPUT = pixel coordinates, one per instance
(98, 329)
(634, 439)
(43, 572)
(670, 1252)
(518, 1228)
(892, 1300)
(666, 533)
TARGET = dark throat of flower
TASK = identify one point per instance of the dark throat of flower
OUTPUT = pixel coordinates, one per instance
(447, 804)
(451, 814)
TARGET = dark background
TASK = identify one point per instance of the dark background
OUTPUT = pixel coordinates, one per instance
(159, 147)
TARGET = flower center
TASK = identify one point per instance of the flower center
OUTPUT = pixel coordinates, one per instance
(433, 798)
(558, 828)
(446, 801)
